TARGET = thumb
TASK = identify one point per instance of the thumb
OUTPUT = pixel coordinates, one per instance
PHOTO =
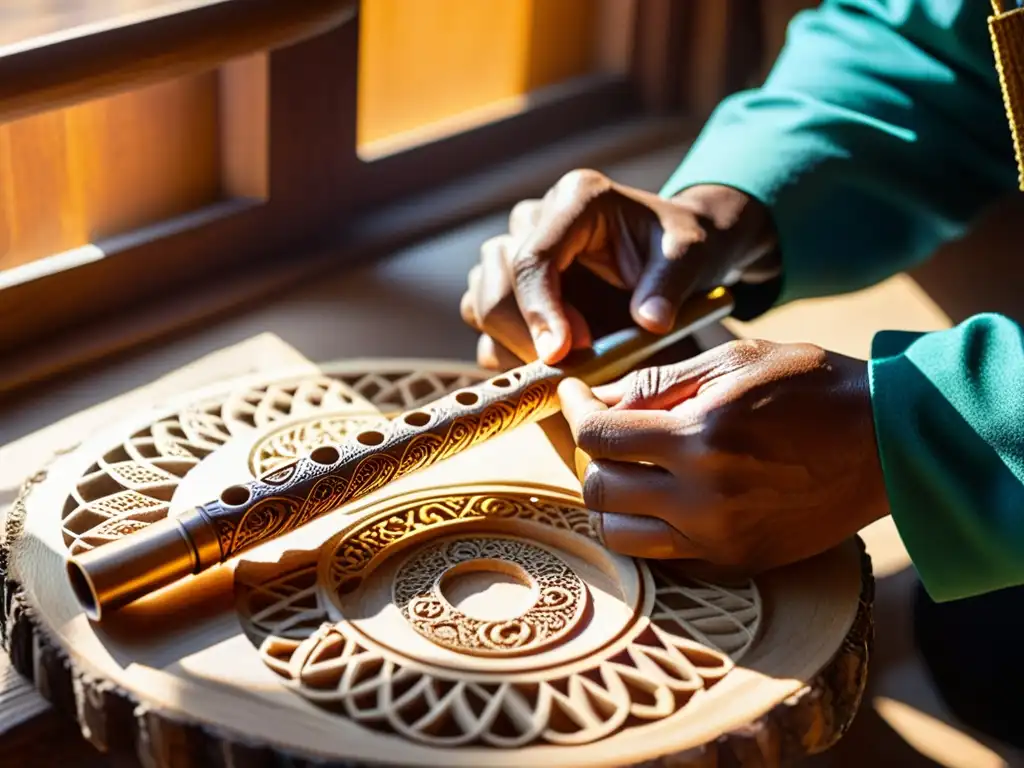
(671, 274)
(659, 387)
(578, 403)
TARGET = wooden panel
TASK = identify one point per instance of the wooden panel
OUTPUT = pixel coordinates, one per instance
(244, 126)
(38, 211)
(145, 156)
(72, 176)
(421, 61)
(560, 44)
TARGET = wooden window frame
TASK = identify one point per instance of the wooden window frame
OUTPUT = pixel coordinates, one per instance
(315, 200)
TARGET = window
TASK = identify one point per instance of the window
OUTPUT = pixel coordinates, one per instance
(430, 68)
(152, 149)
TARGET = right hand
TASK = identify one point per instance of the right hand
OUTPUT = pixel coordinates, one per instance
(657, 250)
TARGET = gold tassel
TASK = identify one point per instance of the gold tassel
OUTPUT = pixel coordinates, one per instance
(1007, 31)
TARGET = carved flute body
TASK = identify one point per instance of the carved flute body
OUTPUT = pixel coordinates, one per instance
(331, 476)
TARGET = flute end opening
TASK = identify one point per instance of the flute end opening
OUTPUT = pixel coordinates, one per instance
(124, 570)
(82, 586)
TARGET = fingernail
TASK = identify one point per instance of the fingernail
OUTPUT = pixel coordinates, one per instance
(657, 311)
(546, 344)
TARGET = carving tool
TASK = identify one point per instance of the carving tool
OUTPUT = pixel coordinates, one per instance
(331, 476)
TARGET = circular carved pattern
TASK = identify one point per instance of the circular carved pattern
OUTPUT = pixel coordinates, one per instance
(131, 485)
(560, 596)
(687, 635)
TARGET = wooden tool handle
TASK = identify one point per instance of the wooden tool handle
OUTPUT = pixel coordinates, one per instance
(331, 476)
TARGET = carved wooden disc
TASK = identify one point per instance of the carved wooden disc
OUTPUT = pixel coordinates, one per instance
(465, 615)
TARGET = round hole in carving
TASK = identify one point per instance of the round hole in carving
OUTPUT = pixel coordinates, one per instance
(417, 419)
(325, 454)
(502, 383)
(489, 590)
(467, 398)
(370, 437)
(235, 495)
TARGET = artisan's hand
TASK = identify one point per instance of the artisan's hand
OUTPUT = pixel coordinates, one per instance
(656, 250)
(754, 454)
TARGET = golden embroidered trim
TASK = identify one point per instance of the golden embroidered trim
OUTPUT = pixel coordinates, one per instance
(1007, 31)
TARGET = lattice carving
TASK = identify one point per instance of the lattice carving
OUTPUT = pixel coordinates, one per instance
(131, 485)
(689, 640)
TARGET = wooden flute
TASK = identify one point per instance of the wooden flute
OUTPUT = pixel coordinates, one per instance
(330, 476)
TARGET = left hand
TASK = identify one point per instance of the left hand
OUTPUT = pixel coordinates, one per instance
(752, 455)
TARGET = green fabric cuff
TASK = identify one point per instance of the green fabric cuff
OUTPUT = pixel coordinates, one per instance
(954, 500)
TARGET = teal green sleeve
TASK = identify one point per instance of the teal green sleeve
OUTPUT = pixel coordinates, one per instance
(949, 418)
(879, 134)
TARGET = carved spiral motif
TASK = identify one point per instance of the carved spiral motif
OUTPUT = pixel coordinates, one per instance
(560, 597)
(419, 453)
(500, 417)
(689, 639)
(267, 518)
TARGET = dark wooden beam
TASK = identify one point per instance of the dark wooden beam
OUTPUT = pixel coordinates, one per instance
(118, 52)
(662, 39)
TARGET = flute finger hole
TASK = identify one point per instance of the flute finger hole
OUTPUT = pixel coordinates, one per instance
(370, 437)
(325, 454)
(235, 496)
(417, 419)
(467, 398)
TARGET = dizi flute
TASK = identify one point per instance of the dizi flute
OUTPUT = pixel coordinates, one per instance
(330, 476)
